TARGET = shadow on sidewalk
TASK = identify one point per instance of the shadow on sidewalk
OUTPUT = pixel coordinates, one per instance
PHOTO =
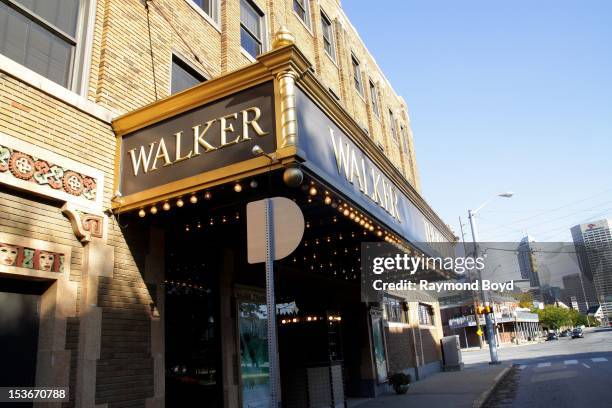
(443, 389)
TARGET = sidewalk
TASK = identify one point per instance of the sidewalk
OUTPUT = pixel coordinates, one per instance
(444, 389)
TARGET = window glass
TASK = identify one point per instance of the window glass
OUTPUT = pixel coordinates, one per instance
(183, 76)
(60, 13)
(250, 28)
(374, 98)
(328, 42)
(426, 315)
(207, 6)
(357, 74)
(394, 310)
(30, 44)
(392, 127)
(300, 8)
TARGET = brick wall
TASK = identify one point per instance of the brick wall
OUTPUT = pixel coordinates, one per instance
(121, 77)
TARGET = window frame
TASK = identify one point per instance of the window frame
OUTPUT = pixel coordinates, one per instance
(262, 27)
(306, 8)
(186, 65)
(425, 310)
(404, 136)
(214, 19)
(374, 98)
(393, 127)
(357, 79)
(80, 56)
(392, 303)
(332, 39)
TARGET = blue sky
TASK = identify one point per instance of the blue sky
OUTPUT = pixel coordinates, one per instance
(512, 95)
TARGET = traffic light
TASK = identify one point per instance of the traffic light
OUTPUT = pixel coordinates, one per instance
(480, 309)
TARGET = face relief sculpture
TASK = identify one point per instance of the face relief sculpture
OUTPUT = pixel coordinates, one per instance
(8, 254)
(45, 261)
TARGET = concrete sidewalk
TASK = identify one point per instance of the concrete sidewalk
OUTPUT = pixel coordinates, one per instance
(466, 388)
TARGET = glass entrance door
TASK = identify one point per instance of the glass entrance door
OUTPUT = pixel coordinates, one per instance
(254, 362)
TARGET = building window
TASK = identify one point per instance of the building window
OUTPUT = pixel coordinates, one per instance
(36, 35)
(301, 9)
(374, 98)
(251, 28)
(395, 310)
(357, 74)
(392, 127)
(183, 75)
(404, 134)
(328, 36)
(426, 315)
(209, 7)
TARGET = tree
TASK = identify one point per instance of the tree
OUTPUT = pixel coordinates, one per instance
(525, 300)
(553, 317)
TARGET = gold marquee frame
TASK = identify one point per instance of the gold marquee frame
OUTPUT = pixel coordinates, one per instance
(287, 67)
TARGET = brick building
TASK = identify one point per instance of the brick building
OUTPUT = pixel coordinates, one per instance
(101, 280)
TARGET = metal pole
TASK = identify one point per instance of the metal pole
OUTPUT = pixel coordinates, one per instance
(469, 274)
(275, 391)
(489, 323)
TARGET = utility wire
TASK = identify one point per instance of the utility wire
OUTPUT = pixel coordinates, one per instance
(557, 208)
(151, 48)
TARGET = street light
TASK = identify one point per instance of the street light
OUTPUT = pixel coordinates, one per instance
(488, 321)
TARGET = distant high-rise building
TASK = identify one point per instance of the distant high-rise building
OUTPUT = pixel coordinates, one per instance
(593, 242)
(526, 261)
(579, 290)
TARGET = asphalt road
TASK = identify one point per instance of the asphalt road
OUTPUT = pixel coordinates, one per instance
(555, 374)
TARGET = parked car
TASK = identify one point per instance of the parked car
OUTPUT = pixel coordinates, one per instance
(565, 333)
(577, 334)
(552, 336)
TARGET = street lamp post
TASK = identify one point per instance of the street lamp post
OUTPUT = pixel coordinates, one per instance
(488, 321)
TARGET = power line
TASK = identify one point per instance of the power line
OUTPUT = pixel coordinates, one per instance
(558, 208)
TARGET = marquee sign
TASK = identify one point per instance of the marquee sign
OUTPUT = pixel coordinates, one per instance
(206, 138)
(331, 154)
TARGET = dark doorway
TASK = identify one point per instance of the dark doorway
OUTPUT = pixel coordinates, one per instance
(193, 346)
(19, 320)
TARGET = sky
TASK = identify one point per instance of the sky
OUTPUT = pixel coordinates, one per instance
(503, 96)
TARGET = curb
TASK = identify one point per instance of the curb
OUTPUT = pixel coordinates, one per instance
(480, 401)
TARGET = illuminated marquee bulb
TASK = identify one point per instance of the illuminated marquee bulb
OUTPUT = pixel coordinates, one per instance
(237, 187)
(379, 233)
(207, 195)
(351, 215)
(142, 213)
(153, 210)
(328, 200)
(312, 191)
(193, 199)
(179, 202)
(371, 228)
(361, 222)
(166, 206)
(346, 212)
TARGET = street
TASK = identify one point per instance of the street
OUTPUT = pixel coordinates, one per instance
(562, 373)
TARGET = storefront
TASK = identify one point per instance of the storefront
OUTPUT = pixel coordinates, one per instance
(135, 287)
(186, 168)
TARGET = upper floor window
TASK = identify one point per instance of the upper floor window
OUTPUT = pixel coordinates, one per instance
(357, 74)
(301, 9)
(209, 7)
(426, 315)
(392, 127)
(404, 134)
(183, 75)
(251, 28)
(374, 98)
(42, 35)
(328, 36)
(395, 310)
